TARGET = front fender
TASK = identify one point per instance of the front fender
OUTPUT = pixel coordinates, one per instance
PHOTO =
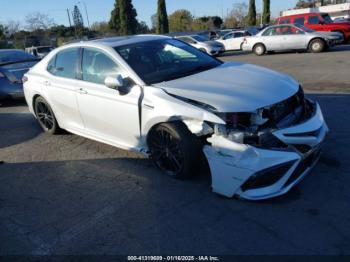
(159, 107)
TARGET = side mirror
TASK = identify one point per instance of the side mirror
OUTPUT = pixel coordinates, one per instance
(114, 82)
(321, 22)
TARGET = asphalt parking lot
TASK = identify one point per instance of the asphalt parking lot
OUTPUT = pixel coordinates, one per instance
(70, 195)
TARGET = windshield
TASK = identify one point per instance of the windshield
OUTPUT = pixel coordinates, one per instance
(200, 38)
(9, 56)
(327, 18)
(164, 60)
(305, 29)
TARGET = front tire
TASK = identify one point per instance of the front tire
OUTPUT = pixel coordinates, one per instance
(175, 150)
(317, 46)
(259, 49)
(45, 116)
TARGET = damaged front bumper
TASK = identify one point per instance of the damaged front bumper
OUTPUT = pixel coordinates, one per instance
(254, 173)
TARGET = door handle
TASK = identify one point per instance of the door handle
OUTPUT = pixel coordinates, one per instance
(47, 83)
(82, 91)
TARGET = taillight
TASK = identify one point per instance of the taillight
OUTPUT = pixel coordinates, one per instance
(24, 79)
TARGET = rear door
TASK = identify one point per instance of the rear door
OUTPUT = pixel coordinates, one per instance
(314, 22)
(61, 85)
(237, 40)
(272, 39)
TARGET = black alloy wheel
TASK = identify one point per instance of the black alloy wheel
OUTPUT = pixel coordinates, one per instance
(45, 116)
(175, 150)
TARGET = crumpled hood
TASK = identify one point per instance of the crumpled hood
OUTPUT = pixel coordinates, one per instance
(234, 87)
(328, 34)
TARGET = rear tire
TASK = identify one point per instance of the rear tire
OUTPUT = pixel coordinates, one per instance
(175, 150)
(259, 49)
(45, 116)
(317, 46)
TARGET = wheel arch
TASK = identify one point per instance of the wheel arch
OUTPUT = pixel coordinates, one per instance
(259, 43)
(316, 38)
(35, 97)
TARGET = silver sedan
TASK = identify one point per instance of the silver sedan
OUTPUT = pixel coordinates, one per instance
(290, 37)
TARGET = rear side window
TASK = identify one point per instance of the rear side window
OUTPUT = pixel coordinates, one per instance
(313, 20)
(228, 36)
(299, 21)
(64, 63)
(270, 32)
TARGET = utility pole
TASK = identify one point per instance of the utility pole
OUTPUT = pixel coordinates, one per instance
(262, 13)
(86, 12)
(70, 23)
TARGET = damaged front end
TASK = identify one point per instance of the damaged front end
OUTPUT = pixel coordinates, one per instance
(263, 154)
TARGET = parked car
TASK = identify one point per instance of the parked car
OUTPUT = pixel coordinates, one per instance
(318, 22)
(341, 19)
(290, 37)
(182, 108)
(204, 44)
(13, 65)
(234, 40)
(39, 51)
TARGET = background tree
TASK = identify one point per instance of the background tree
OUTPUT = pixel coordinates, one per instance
(266, 12)
(78, 18)
(128, 21)
(154, 22)
(142, 28)
(305, 4)
(2, 31)
(114, 22)
(207, 22)
(251, 18)
(236, 17)
(181, 20)
(102, 29)
(162, 18)
(38, 21)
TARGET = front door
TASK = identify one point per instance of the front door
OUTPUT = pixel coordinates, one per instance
(108, 114)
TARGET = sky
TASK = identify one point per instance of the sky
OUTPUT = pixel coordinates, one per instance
(99, 10)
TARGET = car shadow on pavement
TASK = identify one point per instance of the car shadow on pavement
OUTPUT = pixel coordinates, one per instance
(16, 128)
(13, 103)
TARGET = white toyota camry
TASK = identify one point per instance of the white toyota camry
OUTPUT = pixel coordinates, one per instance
(182, 108)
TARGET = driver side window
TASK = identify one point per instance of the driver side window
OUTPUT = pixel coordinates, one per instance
(96, 67)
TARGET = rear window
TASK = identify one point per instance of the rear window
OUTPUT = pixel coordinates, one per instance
(64, 63)
(299, 21)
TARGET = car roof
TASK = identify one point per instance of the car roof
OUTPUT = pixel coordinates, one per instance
(125, 40)
(185, 36)
(303, 14)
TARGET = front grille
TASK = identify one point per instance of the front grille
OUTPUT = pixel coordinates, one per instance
(303, 165)
(287, 112)
(267, 177)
